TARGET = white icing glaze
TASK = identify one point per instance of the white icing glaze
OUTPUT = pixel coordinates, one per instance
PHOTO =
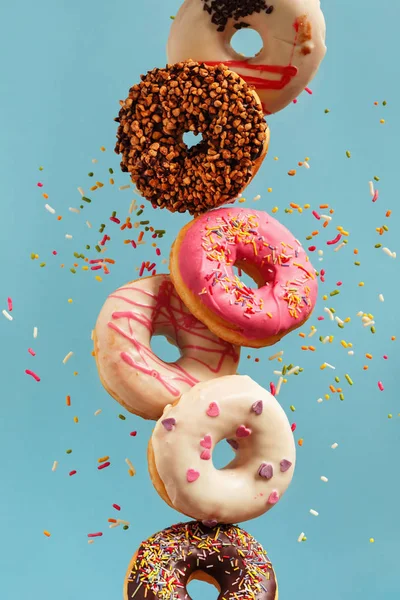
(129, 369)
(293, 38)
(237, 492)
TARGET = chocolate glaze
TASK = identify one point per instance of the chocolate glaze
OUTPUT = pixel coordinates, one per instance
(166, 561)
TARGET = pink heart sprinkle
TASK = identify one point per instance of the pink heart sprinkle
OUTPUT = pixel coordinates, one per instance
(169, 423)
(257, 407)
(206, 442)
(242, 431)
(205, 455)
(266, 471)
(213, 410)
(273, 497)
(192, 475)
(285, 465)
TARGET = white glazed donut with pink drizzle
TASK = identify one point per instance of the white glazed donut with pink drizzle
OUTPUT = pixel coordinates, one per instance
(128, 368)
(237, 409)
(292, 32)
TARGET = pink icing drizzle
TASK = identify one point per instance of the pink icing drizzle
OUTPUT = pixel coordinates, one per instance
(168, 315)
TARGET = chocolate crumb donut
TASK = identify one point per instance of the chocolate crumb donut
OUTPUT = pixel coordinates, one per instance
(208, 100)
(225, 556)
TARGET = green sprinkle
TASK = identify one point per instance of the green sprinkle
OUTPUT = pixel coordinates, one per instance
(122, 417)
(309, 237)
(33, 256)
(376, 178)
(114, 213)
(69, 451)
(385, 227)
(332, 310)
(90, 174)
(98, 248)
(341, 396)
(345, 241)
(85, 199)
(42, 265)
(284, 370)
(110, 170)
(290, 366)
(125, 527)
(87, 247)
(378, 245)
(334, 293)
(139, 212)
(373, 330)
(301, 369)
(41, 168)
(76, 255)
(292, 408)
(348, 379)
(327, 111)
(357, 263)
(321, 339)
(288, 210)
(146, 228)
(348, 154)
(81, 206)
(340, 325)
(172, 17)
(144, 222)
(384, 103)
(337, 379)
(73, 270)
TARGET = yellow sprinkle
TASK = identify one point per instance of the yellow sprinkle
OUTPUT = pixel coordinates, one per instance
(390, 416)
(361, 284)
(275, 209)
(344, 344)
(276, 158)
(327, 396)
(307, 158)
(70, 300)
(102, 148)
(371, 540)
(131, 473)
(241, 200)
(47, 533)
(325, 297)
(382, 121)
(85, 268)
(307, 206)
(98, 278)
(76, 420)
(103, 459)
(270, 190)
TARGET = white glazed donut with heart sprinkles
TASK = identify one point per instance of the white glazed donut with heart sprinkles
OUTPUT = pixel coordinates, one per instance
(237, 409)
(292, 32)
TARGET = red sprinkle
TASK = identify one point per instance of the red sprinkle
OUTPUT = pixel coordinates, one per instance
(339, 283)
(307, 89)
(103, 241)
(142, 269)
(380, 386)
(151, 267)
(115, 220)
(293, 427)
(93, 535)
(158, 251)
(55, 252)
(335, 240)
(295, 101)
(10, 304)
(116, 507)
(40, 184)
(312, 248)
(385, 357)
(133, 433)
(133, 243)
(376, 196)
(32, 374)
(321, 318)
(32, 352)
(272, 388)
(95, 268)
(72, 473)
(95, 260)
(316, 215)
(104, 466)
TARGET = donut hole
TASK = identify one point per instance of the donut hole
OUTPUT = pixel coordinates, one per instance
(247, 42)
(198, 589)
(190, 139)
(250, 275)
(223, 454)
(164, 348)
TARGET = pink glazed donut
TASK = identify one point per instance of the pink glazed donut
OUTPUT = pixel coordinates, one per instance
(292, 32)
(260, 246)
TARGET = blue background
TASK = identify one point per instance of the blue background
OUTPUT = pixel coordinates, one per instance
(65, 65)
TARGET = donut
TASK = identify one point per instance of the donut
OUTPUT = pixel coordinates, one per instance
(227, 557)
(293, 37)
(261, 247)
(128, 368)
(180, 451)
(208, 100)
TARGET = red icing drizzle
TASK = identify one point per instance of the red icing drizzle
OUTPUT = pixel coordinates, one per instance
(168, 316)
(287, 72)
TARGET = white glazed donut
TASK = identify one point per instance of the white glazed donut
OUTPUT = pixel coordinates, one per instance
(237, 409)
(292, 31)
(128, 368)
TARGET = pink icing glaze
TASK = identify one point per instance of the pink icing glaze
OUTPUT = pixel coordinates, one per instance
(223, 237)
(127, 322)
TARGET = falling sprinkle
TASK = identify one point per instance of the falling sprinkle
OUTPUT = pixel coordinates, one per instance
(324, 479)
(7, 315)
(67, 357)
(334, 446)
(55, 465)
(314, 513)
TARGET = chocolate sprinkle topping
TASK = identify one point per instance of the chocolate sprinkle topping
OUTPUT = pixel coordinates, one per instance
(208, 100)
(223, 10)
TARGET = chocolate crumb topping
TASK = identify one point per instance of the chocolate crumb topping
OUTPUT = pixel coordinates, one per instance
(208, 100)
(223, 10)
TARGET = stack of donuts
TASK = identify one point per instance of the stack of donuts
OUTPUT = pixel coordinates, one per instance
(202, 306)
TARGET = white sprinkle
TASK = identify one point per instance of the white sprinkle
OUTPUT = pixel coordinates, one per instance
(351, 352)
(124, 187)
(338, 320)
(313, 331)
(123, 522)
(114, 525)
(88, 223)
(80, 190)
(371, 188)
(277, 372)
(278, 387)
(319, 400)
(340, 246)
(94, 160)
(92, 334)
(314, 512)
(293, 370)
(130, 465)
(329, 312)
(334, 446)
(280, 353)
(326, 217)
(326, 339)
(90, 541)
(98, 411)
(381, 298)
(68, 236)
(360, 313)
(368, 323)
(50, 209)
(306, 165)
(7, 315)
(329, 366)
(256, 198)
(35, 332)
(66, 359)
(389, 252)
(321, 252)
(132, 206)
(74, 210)
(301, 537)
(324, 479)
(55, 465)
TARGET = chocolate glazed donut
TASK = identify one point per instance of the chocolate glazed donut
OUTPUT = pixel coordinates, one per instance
(225, 556)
